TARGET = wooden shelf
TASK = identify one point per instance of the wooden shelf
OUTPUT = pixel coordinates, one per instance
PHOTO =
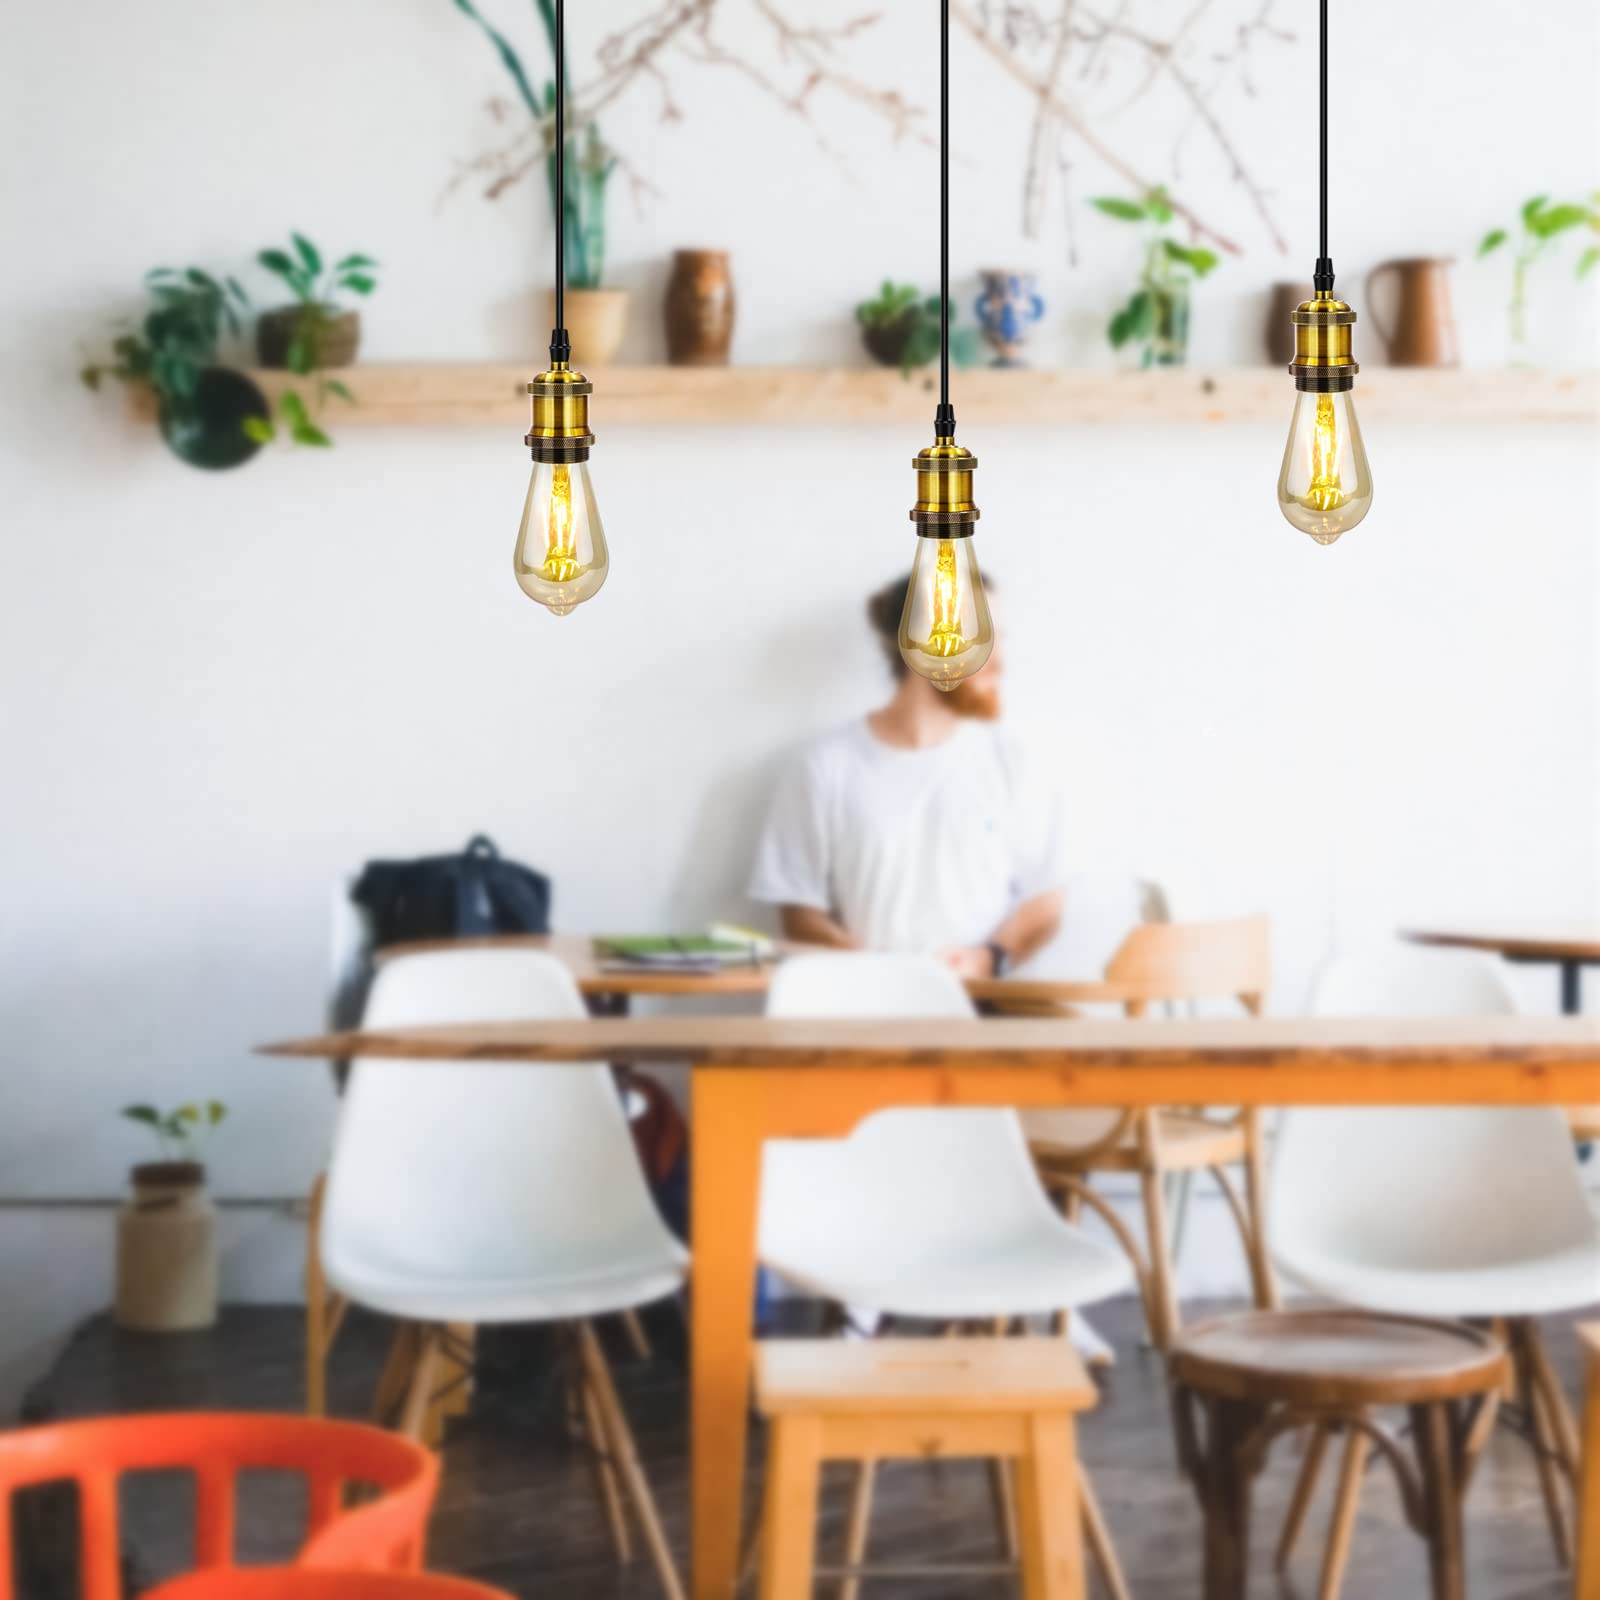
(448, 395)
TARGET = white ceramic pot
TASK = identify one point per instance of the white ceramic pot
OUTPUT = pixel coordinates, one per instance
(167, 1250)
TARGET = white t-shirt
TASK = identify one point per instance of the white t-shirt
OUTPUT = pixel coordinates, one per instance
(912, 849)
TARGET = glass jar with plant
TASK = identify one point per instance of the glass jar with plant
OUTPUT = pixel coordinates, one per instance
(202, 408)
(1542, 225)
(596, 316)
(1155, 319)
(900, 328)
(167, 1229)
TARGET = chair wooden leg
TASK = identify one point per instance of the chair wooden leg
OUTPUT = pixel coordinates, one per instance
(394, 1381)
(625, 1453)
(1052, 1544)
(789, 1513)
(1441, 1500)
(858, 1526)
(1336, 1557)
(1097, 1537)
(1589, 1491)
(1003, 1494)
(1304, 1487)
(1225, 1492)
(1163, 1295)
(637, 1337)
(1558, 1409)
(599, 1444)
(1541, 1437)
(1258, 1245)
(419, 1392)
(324, 1309)
(455, 1377)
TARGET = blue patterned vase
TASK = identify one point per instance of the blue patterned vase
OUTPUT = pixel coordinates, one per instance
(1008, 307)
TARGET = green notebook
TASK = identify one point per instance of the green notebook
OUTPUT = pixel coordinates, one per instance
(676, 950)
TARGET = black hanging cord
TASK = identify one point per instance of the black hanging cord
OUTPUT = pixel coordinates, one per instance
(1323, 279)
(560, 345)
(944, 421)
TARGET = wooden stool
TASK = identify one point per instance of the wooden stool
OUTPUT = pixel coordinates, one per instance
(1266, 1373)
(923, 1399)
(1589, 1502)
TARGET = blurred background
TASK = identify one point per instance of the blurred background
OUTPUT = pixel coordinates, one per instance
(226, 689)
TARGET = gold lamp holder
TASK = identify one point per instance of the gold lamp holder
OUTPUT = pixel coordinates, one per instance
(945, 508)
(560, 430)
(1322, 361)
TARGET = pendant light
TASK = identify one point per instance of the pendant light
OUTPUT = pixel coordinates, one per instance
(1325, 485)
(946, 632)
(561, 558)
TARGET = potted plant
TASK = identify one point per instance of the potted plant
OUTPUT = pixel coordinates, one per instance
(315, 331)
(596, 316)
(203, 408)
(1155, 318)
(900, 328)
(167, 1228)
(1542, 224)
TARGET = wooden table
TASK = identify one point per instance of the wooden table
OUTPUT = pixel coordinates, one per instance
(609, 991)
(756, 1079)
(1570, 946)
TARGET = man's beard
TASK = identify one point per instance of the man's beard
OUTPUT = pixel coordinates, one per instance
(978, 698)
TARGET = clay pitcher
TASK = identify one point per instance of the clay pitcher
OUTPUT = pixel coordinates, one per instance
(1279, 329)
(699, 309)
(1423, 332)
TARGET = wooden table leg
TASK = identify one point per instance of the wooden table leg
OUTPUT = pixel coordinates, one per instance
(1227, 1497)
(1051, 1531)
(725, 1193)
(1588, 1587)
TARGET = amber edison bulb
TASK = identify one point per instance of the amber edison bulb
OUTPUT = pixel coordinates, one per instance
(561, 558)
(1325, 485)
(946, 632)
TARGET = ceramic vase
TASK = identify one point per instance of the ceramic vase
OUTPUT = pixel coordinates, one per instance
(699, 309)
(1007, 310)
(167, 1250)
(596, 321)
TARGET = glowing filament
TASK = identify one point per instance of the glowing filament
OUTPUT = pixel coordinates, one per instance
(1324, 492)
(560, 563)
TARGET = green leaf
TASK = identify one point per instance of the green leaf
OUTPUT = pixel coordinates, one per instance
(89, 377)
(1558, 219)
(354, 261)
(1159, 207)
(189, 1113)
(298, 356)
(293, 409)
(215, 1112)
(1530, 208)
(309, 433)
(1587, 260)
(1199, 261)
(1492, 240)
(148, 1115)
(359, 282)
(236, 289)
(964, 348)
(308, 253)
(277, 261)
(1122, 210)
(333, 386)
(260, 429)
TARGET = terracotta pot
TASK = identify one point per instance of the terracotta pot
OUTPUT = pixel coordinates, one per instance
(1423, 332)
(699, 309)
(596, 320)
(886, 341)
(167, 1250)
(334, 336)
(1279, 329)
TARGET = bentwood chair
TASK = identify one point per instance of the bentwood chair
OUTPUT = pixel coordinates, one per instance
(1462, 1212)
(462, 1193)
(935, 1215)
(1165, 964)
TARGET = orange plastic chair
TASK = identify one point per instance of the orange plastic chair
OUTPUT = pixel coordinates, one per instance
(302, 1583)
(386, 1532)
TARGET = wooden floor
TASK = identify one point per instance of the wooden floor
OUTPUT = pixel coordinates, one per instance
(517, 1506)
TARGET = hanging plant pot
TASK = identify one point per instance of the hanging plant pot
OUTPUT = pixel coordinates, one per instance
(329, 337)
(206, 428)
(886, 342)
(167, 1250)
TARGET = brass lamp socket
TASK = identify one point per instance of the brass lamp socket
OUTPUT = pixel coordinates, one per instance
(1322, 361)
(945, 508)
(560, 429)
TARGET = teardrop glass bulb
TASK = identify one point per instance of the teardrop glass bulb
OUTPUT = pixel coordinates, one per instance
(1325, 487)
(561, 558)
(946, 632)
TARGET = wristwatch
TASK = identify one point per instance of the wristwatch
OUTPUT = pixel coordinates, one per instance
(999, 958)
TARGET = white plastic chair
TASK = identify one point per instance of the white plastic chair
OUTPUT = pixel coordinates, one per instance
(933, 1214)
(466, 1192)
(1442, 1211)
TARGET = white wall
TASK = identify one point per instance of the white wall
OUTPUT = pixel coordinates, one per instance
(220, 692)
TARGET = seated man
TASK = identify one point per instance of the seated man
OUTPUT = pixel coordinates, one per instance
(921, 826)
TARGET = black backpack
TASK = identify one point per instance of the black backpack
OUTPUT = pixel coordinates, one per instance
(449, 897)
